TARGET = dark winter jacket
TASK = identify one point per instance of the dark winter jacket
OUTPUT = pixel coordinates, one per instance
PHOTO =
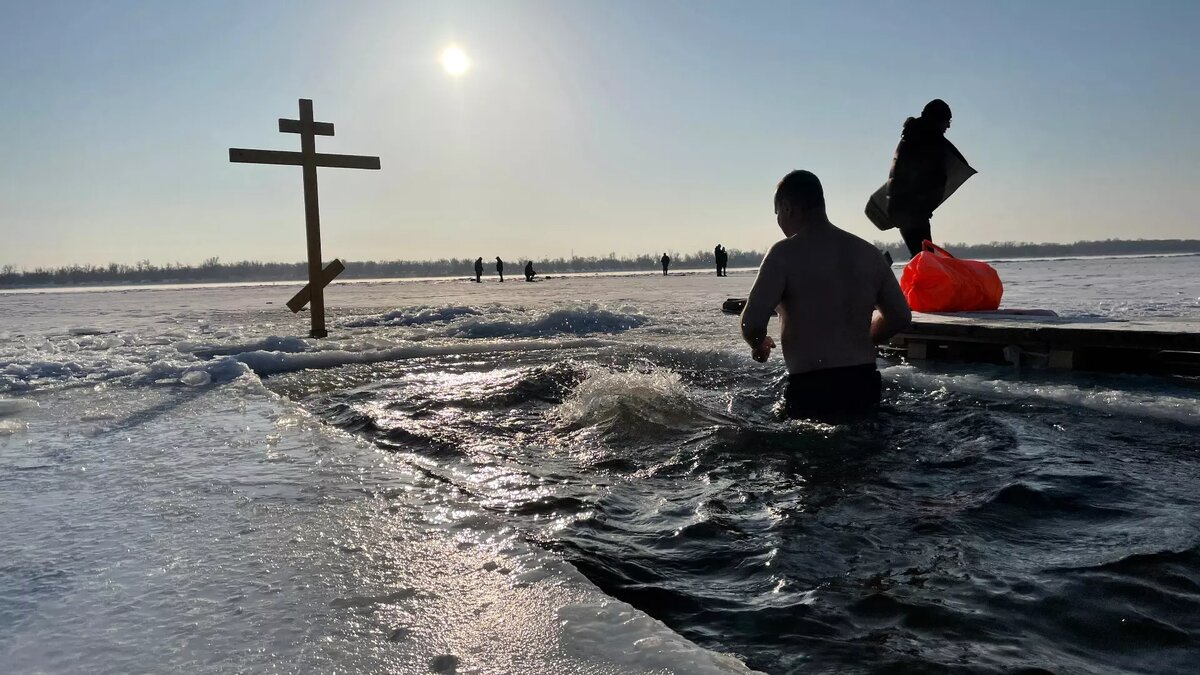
(917, 181)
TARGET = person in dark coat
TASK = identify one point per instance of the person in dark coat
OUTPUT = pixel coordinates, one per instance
(500, 268)
(717, 258)
(529, 273)
(666, 262)
(478, 269)
(917, 181)
(722, 262)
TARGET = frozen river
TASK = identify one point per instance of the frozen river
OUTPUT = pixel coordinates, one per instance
(577, 475)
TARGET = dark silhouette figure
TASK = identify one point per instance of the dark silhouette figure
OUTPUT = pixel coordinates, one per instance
(917, 181)
(500, 268)
(666, 262)
(529, 273)
(721, 257)
(478, 269)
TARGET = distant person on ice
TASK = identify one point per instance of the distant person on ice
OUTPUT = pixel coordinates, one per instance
(478, 269)
(717, 258)
(825, 284)
(529, 273)
(917, 181)
(722, 257)
(500, 268)
(666, 262)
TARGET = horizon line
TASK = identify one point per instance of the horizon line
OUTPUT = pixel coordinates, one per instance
(611, 255)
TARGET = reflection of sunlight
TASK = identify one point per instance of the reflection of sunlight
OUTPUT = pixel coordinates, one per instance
(453, 385)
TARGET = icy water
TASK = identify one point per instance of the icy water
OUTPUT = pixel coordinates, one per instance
(579, 475)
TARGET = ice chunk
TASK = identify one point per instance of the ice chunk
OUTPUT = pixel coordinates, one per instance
(15, 406)
(196, 378)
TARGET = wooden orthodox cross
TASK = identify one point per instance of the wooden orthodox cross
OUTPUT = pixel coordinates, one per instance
(308, 158)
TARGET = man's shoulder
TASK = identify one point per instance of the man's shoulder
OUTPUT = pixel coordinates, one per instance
(854, 242)
(862, 251)
(781, 245)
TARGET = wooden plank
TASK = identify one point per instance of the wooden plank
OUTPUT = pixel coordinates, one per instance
(283, 157)
(328, 274)
(297, 127)
(312, 224)
(347, 161)
(1063, 333)
(288, 158)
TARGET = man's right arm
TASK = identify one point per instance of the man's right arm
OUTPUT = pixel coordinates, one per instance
(892, 312)
(765, 296)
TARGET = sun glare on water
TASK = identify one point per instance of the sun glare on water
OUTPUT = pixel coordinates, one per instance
(455, 61)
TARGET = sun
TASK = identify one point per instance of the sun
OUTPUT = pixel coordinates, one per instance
(455, 61)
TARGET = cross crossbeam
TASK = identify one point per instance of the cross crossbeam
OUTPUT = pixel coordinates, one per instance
(309, 159)
(297, 127)
(288, 158)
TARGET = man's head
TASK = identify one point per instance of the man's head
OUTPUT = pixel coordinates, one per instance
(799, 200)
(938, 112)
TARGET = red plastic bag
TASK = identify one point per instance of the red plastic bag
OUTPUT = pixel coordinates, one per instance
(935, 281)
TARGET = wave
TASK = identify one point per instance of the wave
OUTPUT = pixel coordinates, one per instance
(1169, 567)
(1025, 499)
(634, 402)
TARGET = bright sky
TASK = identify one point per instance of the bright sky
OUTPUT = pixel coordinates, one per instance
(591, 127)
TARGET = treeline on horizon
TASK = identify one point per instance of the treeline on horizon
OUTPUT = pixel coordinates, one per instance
(213, 270)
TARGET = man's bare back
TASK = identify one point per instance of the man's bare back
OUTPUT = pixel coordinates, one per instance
(825, 283)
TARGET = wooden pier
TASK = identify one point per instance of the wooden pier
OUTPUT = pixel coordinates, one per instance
(1041, 340)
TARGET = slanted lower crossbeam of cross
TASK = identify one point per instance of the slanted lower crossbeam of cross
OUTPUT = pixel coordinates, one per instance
(309, 159)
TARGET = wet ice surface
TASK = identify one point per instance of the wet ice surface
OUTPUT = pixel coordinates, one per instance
(220, 531)
(478, 478)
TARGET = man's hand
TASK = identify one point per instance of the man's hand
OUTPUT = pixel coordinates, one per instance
(879, 329)
(763, 350)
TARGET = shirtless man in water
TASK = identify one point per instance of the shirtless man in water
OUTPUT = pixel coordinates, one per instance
(827, 285)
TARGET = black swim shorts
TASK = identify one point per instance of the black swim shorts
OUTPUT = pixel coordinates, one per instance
(833, 393)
